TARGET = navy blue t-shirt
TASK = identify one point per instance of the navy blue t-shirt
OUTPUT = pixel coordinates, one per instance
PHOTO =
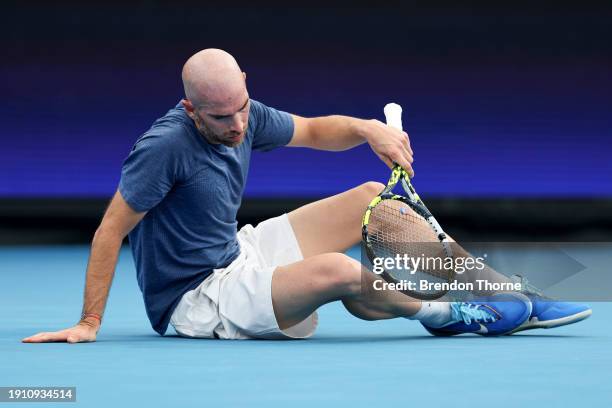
(191, 190)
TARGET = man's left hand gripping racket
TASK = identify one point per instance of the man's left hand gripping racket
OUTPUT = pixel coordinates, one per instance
(402, 228)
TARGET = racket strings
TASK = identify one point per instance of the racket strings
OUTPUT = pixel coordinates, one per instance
(395, 229)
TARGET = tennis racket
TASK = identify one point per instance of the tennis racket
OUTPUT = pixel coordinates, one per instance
(403, 229)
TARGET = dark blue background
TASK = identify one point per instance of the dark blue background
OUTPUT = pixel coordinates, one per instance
(498, 102)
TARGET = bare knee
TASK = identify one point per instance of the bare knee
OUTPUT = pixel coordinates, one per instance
(371, 188)
(339, 274)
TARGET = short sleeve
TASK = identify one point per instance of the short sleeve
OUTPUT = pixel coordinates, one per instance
(272, 128)
(149, 172)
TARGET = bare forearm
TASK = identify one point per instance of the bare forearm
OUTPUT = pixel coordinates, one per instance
(118, 221)
(336, 132)
(100, 271)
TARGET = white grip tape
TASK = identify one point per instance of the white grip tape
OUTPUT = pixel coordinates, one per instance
(393, 115)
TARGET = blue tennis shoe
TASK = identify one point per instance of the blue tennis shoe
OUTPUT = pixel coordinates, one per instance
(548, 313)
(494, 315)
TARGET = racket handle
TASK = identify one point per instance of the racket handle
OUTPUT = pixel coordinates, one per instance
(393, 115)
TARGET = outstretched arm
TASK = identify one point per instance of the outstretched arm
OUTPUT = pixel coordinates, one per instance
(118, 221)
(337, 133)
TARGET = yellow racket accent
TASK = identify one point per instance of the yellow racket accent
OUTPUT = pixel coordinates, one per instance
(373, 203)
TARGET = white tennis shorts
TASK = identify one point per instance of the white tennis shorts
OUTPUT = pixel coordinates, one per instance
(236, 302)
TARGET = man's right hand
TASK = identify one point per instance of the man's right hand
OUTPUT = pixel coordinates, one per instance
(118, 221)
(84, 331)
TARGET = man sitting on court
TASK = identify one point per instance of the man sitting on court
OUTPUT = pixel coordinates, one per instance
(180, 189)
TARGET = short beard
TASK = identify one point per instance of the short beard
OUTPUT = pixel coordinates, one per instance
(212, 137)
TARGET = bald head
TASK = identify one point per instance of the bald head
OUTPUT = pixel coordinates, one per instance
(213, 79)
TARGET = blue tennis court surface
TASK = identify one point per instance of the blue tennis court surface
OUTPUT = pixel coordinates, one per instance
(348, 362)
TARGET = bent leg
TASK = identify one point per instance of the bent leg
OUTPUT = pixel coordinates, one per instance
(334, 223)
(300, 288)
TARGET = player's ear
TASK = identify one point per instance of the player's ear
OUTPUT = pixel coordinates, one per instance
(188, 106)
(244, 75)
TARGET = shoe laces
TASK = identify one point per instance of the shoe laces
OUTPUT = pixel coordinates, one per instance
(470, 312)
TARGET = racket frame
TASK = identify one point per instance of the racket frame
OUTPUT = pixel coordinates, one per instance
(412, 200)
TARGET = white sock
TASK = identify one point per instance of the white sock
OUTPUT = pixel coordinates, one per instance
(433, 314)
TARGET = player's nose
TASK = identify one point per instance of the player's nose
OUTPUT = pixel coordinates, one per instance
(237, 124)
